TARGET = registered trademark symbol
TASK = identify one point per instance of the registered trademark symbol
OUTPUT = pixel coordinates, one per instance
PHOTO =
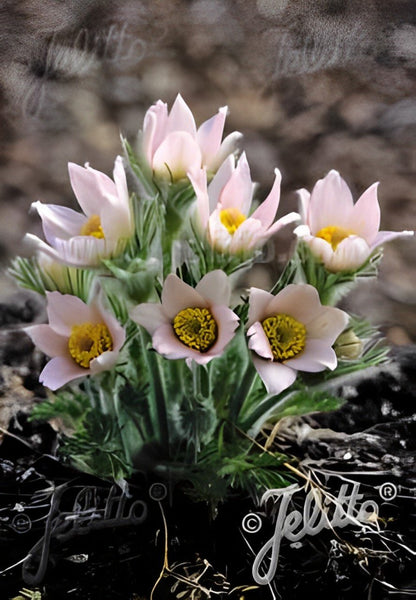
(251, 523)
(388, 491)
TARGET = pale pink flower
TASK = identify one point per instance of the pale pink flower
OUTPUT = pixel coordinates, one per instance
(222, 210)
(173, 146)
(101, 231)
(292, 332)
(191, 323)
(340, 233)
(82, 339)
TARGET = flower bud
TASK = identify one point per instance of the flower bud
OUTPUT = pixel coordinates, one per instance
(348, 346)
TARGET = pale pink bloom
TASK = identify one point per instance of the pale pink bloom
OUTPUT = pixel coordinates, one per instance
(191, 323)
(173, 146)
(101, 231)
(222, 211)
(81, 339)
(340, 233)
(292, 332)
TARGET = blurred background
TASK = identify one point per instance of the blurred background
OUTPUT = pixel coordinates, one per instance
(312, 84)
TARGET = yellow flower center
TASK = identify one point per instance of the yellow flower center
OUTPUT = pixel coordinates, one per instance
(286, 335)
(333, 235)
(196, 328)
(232, 218)
(93, 227)
(87, 341)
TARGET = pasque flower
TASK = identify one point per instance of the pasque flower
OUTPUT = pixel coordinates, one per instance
(340, 233)
(292, 332)
(101, 231)
(192, 323)
(223, 208)
(173, 146)
(82, 339)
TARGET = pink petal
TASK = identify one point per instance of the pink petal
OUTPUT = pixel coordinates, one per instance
(327, 325)
(386, 236)
(259, 301)
(209, 136)
(228, 146)
(178, 295)
(249, 235)
(321, 249)
(215, 287)
(351, 253)
(199, 183)
(258, 341)
(365, 217)
(282, 222)
(91, 188)
(275, 376)
(117, 331)
(150, 316)
(227, 322)
(82, 251)
(104, 362)
(219, 181)
(219, 237)
(177, 155)
(47, 340)
(304, 199)
(154, 128)
(300, 301)
(238, 190)
(181, 118)
(61, 370)
(317, 356)
(123, 215)
(59, 221)
(65, 310)
(267, 210)
(331, 203)
(166, 343)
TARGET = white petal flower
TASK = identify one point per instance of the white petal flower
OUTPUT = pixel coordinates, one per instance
(340, 233)
(291, 332)
(81, 339)
(101, 231)
(191, 323)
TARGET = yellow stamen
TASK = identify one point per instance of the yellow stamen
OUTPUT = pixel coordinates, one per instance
(196, 328)
(93, 227)
(87, 341)
(334, 235)
(232, 218)
(286, 335)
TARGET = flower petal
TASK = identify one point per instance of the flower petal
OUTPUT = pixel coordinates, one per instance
(304, 199)
(215, 287)
(166, 343)
(275, 376)
(92, 188)
(59, 371)
(237, 192)
(177, 295)
(327, 325)
(331, 203)
(219, 180)
(59, 221)
(150, 316)
(209, 136)
(317, 356)
(181, 118)
(228, 146)
(365, 217)
(227, 322)
(259, 301)
(47, 340)
(154, 128)
(386, 236)
(104, 362)
(351, 253)
(258, 341)
(177, 155)
(199, 183)
(267, 210)
(300, 301)
(249, 235)
(65, 310)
